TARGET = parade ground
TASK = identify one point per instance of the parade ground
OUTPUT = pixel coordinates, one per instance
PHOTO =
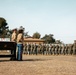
(39, 65)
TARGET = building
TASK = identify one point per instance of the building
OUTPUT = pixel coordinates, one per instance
(32, 40)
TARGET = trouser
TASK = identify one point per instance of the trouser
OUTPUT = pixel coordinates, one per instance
(20, 50)
(12, 58)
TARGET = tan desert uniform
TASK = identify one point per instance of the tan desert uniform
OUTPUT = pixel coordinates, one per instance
(13, 37)
(20, 38)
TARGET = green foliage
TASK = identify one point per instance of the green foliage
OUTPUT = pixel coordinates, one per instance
(3, 28)
(26, 34)
(49, 38)
(36, 35)
(58, 42)
(8, 34)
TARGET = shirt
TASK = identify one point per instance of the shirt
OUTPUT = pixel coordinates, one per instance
(20, 38)
(13, 37)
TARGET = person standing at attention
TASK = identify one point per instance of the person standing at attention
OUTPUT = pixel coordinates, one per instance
(20, 40)
(13, 39)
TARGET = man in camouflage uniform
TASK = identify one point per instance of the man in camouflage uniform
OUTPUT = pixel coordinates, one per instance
(25, 49)
(63, 49)
(50, 51)
(47, 49)
(56, 50)
(60, 49)
(29, 48)
(35, 49)
(53, 49)
(74, 49)
(66, 49)
(43, 49)
(70, 49)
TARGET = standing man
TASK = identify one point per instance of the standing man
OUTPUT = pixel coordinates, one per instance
(13, 39)
(20, 40)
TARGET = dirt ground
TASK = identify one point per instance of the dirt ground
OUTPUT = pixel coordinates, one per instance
(39, 65)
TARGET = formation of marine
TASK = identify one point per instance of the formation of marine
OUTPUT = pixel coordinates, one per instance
(50, 49)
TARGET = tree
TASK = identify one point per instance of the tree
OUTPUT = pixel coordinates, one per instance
(3, 28)
(48, 38)
(36, 35)
(58, 42)
(9, 32)
(26, 34)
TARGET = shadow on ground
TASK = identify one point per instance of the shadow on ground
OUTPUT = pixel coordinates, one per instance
(25, 60)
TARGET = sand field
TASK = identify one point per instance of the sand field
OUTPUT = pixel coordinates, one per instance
(39, 65)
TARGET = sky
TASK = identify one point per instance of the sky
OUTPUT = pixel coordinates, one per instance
(57, 17)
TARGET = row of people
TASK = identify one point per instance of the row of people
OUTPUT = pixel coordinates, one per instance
(49, 49)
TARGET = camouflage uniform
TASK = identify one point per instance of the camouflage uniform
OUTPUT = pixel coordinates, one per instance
(29, 49)
(74, 49)
(32, 48)
(50, 49)
(47, 49)
(25, 49)
(66, 49)
(63, 49)
(59, 49)
(36, 49)
(53, 49)
(56, 49)
(70, 49)
(43, 49)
